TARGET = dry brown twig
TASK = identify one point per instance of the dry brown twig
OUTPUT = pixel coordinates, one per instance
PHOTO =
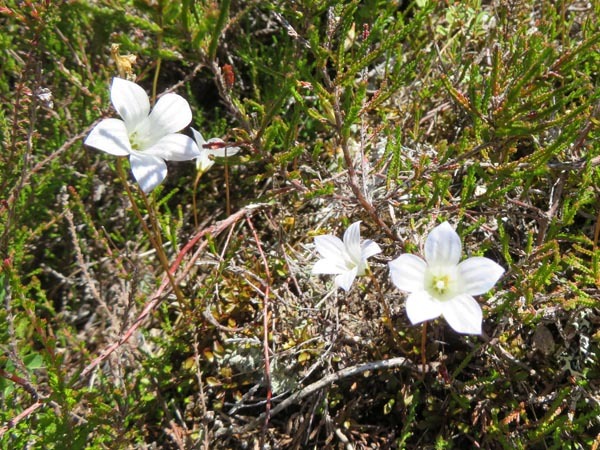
(353, 180)
(266, 349)
(337, 376)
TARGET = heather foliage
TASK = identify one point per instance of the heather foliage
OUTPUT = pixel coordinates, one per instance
(148, 302)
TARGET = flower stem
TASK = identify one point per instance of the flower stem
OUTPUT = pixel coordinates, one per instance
(194, 206)
(227, 201)
(159, 40)
(388, 319)
(424, 347)
(154, 234)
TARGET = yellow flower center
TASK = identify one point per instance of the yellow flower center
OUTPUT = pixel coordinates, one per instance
(440, 284)
(134, 139)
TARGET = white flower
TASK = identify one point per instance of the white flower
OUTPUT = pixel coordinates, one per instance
(148, 138)
(345, 259)
(441, 286)
(214, 147)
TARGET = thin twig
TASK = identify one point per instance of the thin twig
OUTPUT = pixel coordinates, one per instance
(25, 384)
(226, 97)
(265, 330)
(204, 410)
(334, 377)
(83, 266)
(386, 308)
(352, 175)
(24, 414)
(185, 79)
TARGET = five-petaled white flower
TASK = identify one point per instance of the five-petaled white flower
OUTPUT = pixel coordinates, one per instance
(214, 147)
(148, 138)
(440, 285)
(345, 259)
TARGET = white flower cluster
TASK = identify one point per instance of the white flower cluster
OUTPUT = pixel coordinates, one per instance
(150, 138)
(438, 285)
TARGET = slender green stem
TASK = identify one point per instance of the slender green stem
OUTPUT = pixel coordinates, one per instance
(424, 347)
(154, 234)
(159, 40)
(221, 22)
(597, 230)
(151, 208)
(227, 201)
(388, 319)
(155, 80)
(194, 204)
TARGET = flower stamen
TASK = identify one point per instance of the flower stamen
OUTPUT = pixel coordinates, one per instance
(440, 284)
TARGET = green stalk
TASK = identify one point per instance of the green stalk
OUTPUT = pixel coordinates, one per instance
(214, 41)
(154, 234)
(159, 39)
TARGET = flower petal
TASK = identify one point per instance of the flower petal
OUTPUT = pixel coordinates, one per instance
(131, 102)
(369, 248)
(110, 136)
(408, 273)
(420, 306)
(170, 114)
(198, 137)
(345, 279)
(203, 162)
(352, 242)
(478, 274)
(148, 170)
(222, 150)
(225, 152)
(330, 247)
(328, 267)
(174, 147)
(443, 246)
(463, 314)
